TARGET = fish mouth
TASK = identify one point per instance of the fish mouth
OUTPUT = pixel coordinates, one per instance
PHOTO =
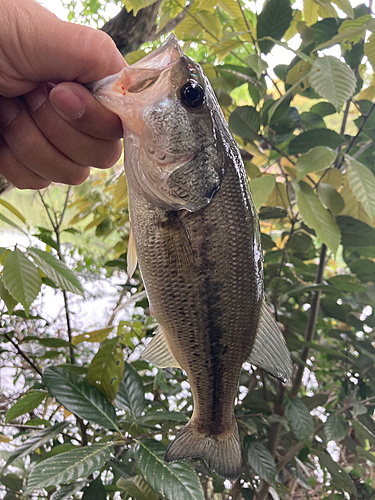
(142, 74)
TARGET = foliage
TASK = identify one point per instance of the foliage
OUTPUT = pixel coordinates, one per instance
(85, 403)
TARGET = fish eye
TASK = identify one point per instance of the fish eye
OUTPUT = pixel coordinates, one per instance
(192, 95)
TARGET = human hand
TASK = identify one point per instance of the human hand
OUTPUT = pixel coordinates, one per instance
(57, 130)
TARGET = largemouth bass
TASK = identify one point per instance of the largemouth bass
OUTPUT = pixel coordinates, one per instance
(196, 235)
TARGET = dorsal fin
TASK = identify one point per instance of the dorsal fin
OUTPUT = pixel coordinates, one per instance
(269, 351)
(158, 353)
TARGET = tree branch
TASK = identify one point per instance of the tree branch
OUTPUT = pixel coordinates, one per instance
(24, 355)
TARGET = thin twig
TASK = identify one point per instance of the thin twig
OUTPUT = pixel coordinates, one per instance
(23, 354)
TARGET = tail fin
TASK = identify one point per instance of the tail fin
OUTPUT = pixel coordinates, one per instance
(222, 453)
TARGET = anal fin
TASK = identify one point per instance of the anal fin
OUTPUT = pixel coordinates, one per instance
(269, 351)
(131, 256)
(158, 353)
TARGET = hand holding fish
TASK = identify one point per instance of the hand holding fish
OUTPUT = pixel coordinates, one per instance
(51, 127)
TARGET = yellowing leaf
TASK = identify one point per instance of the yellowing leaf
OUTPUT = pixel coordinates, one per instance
(310, 12)
(120, 192)
(369, 49)
(362, 183)
(334, 177)
(353, 207)
(94, 336)
(278, 197)
(316, 216)
(136, 5)
(292, 30)
(222, 49)
(345, 6)
(368, 94)
(296, 73)
(13, 209)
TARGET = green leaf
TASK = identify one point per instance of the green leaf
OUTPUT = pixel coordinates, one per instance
(312, 402)
(317, 137)
(80, 397)
(335, 428)
(323, 109)
(260, 459)
(56, 270)
(339, 475)
(94, 336)
(95, 491)
(12, 224)
(21, 278)
(137, 5)
(257, 64)
(26, 404)
(13, 209)
(362, 183)
(318, 158)
(261, 188)
(137, 488)
(131, 394)
(273, 21)
(355, 233)
(245, 122)
(167, 479)
(316, 216)
(66, 491)
(48, 342)
(106, 369)
(9, 301)
(330, 198)
(36, 440)
(69, 466)
(298, 415)
(332, 80)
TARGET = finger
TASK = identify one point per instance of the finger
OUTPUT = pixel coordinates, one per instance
(32, 149)
(16, 173)
(75, 104)
(80, 147)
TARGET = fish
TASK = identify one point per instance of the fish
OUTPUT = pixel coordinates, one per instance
(195, 233)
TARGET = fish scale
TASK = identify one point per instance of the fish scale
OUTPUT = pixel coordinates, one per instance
(196, 234)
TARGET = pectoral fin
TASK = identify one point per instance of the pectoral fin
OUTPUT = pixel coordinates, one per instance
(158, 353)
(269, 351)
(131, 256)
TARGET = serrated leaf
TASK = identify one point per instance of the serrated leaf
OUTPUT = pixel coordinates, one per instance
(339, 475)
(245, 122)
(80, 397)
(8, 299)
(131, 393)
(316, 216)
(13, 209)
(298, 415)
(106, 369)
(362, 183)
(66, 491)
(332, 80)
(94, 336)
(335, 427)
(261, 188)
(36, 440)
(315, 159)
(260, 459)
(330, 198)
(167, 479)
(25, 404)
(69, 466)
(21, 278)
(273, 21)
(137, 488)
(56, 270)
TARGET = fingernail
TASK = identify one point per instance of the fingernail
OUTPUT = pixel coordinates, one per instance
(9, 109)
(67, 102)
(38, 96)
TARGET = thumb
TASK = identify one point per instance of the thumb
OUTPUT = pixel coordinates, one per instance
(40, 47)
